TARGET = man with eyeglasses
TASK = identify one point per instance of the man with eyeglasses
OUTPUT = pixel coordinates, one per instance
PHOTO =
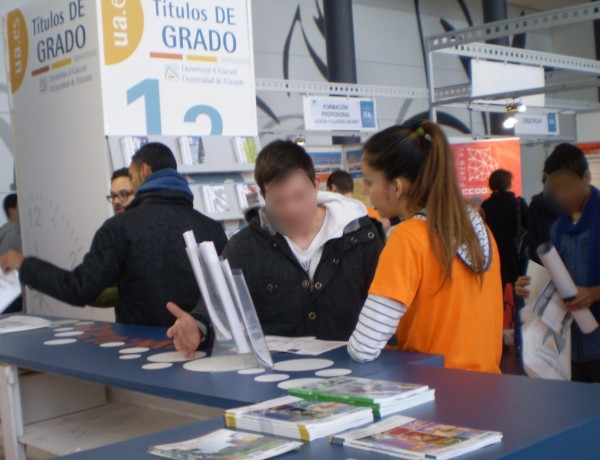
(121, 190)
(121, 194)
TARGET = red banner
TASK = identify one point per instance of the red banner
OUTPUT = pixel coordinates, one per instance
(476, 160)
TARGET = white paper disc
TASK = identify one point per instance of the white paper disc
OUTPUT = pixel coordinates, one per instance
(297, 365)
(112, 344)
(59, 341)
(251, 371)
(226, 363)
(155, 366)
(84, 323)
(131, 356)
(336, 372)
(296, 383)
(271, 378)
(63, 329)
(62, 322)
(134, 350)
(68, 334)
(174, 357)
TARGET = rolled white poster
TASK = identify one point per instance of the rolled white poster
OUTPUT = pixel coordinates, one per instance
(565, 286)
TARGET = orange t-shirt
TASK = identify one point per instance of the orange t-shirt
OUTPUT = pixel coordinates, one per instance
(461, 321)
(373, 213)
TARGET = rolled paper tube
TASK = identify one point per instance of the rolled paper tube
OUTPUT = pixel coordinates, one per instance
(565, 286)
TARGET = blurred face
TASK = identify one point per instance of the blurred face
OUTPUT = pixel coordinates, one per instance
(292, 203)
(385, 195)
(121, 193)
(569, 190)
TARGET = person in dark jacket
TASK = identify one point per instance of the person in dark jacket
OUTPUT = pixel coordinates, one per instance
(505, 214)
(142, 250)
(507, 217)
(308, 257)
(543, 212)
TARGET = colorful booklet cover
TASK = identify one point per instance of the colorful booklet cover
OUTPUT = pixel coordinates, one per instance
(225, 445)
(407, 437)
(246, 148)
(298, 418)
(384, 397)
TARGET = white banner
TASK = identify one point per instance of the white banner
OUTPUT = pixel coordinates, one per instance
(178, 67)
(62, 165)
(339, 114)
(536, 124)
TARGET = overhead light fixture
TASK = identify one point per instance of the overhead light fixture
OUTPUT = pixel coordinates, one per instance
(515, 106)
(299, 140)
(512, 108)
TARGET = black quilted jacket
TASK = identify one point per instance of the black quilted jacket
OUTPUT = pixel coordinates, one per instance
(142, 251)
(287, 302)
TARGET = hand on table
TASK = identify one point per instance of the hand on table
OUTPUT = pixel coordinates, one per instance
(185, 332)
(12, 260)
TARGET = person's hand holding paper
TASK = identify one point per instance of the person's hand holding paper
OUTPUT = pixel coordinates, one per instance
(577, 300)
(584, 298)
(12, 260)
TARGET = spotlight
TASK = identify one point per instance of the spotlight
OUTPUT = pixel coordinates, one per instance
(510, 122)
(299, 140)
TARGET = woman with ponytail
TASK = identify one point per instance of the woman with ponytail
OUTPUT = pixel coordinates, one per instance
(437, 284)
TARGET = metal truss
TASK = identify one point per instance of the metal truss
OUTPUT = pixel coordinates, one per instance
(339, 89)
(522, 24)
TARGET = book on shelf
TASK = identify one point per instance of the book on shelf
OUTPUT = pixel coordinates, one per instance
(410, 438)
(192, 150)
(298, 418)
(215, 199)
(225, 444)
(130, 145)
(248, 195)
(246, 148)
(382, 396)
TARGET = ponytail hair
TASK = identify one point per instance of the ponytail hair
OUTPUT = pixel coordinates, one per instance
(422, 155)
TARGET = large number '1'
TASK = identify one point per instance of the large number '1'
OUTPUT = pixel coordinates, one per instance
(149, 89)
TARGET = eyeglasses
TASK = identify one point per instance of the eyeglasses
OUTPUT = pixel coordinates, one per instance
(122, 195)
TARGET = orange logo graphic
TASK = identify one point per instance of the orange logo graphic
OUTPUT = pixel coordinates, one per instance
(123, 25)
(18, 48)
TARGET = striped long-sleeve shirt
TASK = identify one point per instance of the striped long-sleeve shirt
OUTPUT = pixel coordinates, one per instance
(377, 322)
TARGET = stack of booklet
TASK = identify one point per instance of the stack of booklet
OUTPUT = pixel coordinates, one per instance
(406, 437)
(382, 396)
(298, 418)
(226, 445)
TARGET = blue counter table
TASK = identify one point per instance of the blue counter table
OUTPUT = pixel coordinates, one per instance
(86, 360)
(539, 418)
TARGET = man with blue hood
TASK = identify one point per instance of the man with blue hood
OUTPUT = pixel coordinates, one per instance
(141, 250)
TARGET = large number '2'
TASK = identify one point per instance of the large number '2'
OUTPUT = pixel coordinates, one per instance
(149, 89)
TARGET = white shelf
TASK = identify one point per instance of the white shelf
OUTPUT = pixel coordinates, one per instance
(97, 427)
